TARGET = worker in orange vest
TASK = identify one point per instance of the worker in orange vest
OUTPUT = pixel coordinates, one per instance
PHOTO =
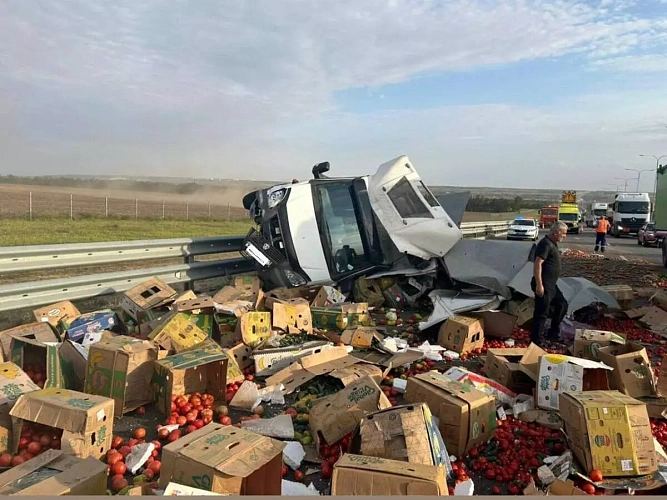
(601, 235)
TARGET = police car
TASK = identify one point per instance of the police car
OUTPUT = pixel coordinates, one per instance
(523, 229)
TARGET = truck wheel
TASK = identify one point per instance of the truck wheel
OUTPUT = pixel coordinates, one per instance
(664, 253)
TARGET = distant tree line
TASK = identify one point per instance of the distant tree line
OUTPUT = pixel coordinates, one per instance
(497, 205)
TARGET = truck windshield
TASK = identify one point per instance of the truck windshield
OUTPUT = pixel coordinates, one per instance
(340, 229)
(600, 212)
(549, 212)
(632, 207)
(568, 217)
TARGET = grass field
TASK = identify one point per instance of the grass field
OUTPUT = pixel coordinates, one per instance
(52, 231)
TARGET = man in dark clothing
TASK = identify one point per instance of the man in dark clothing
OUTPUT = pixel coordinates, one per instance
(549, 300)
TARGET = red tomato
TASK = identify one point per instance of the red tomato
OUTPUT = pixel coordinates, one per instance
(5, 460)
(119, 468)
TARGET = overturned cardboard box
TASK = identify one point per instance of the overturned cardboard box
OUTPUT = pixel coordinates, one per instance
(366, 476)
(270, 361)
(197, 370)
(466, 416)
(177, 334)
(41, 350)
(587, 343)
(224, 459)
(53, 473)
(333, 417)
(41, 331)
(461, 334)
(334, 362)
(54, 314)
(609, 431)
(502, 365)
(121, 368)
(632, 372)
(148, 300)
(407, 433)
(86, 420)
(340, 316)
(13, 383)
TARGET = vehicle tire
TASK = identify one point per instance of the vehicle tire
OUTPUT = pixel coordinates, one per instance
(640, 243)
(664, 253)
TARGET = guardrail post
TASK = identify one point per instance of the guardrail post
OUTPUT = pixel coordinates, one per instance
(189, 285)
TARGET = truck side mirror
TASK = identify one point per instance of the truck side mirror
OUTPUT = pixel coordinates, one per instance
(320, 169)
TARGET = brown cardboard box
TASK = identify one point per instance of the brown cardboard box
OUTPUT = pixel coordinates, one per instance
(197, 370)
(361, 337)
(461, 334)
(42, 352)
(54, 473)
(557, 488)
(42, 331)
(335, 416)
(502, 365)
(655, 319)
(655, 406)
(334, 362)
(143, 302)
(386, 360)
(467, 417)
(523, 311)
(530, 361)
(406, 433)
(224, 459)
(246, 288)
(497, 324)
(238, 360)
(121, 368)
(317, 296)
(177, 334)
(340, 316)
(622, 293)
(632, 374)
(587, 343)
(86, 420)
(13, 383)
(292, 315)
(544, 418)
(359, 475)
(609, 431)
(55, 313)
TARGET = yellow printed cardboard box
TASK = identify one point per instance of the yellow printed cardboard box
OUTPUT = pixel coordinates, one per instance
(55, 313)
(632, 371)
(53, 473)
(587, 343)
(86, 420)
(121, 368)
(224, 459)
(13, 383)
(177, 334)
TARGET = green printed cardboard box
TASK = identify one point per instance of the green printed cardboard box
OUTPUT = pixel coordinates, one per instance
(224, 459)
(29, 352)
(86, 420)
(121, 368)
(197, 370)
(340, 317)
(13, 383)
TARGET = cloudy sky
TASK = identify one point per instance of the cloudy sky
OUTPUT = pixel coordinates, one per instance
(525, 93)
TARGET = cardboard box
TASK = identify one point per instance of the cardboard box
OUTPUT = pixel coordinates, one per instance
(622, 293)
(92, 323)
(387, 360)
(13, 383)
(530, 361)
(587, 343)
(178, 490)
(55, 313)
(54, 473)
(363, 337)
(461, 334)
(197, 370)
(341, 316)
(655, 406)
(483, 384)
(544, 418)
(497, 324)
(204, 322)
(523, 311)
(177, 334)
(405, 433)
(121, 368)
(557, 488)
(42, 332)
(609, 431)
(502, 365)
(316, 296)
(562, 374)
(144, 301)
(86, 420)
(270, 361)
(366, 476)
(332, 418)
(632, 372)
(467, 417)
(238, 360)
(27, 350)
(245, 288)
(655, 319)
(334, 362)
(224, 459)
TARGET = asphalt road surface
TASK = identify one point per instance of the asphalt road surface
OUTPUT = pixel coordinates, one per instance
(625, 246)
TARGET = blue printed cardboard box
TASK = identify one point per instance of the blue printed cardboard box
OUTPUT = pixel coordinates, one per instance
(93, 322)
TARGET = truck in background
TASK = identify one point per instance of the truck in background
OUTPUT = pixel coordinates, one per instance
(548, 215)
(596, 212)
(568, 212)
(630, 212)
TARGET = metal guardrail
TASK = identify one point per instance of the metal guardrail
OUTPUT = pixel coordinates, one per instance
(46, 257)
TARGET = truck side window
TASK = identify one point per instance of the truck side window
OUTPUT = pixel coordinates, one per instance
(407, 202)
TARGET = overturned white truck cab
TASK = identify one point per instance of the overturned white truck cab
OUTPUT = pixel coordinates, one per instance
(335, 229)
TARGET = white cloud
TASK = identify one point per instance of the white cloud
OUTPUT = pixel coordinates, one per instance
(157, 84)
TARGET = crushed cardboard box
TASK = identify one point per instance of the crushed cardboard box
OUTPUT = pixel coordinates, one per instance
(632, 372)
(557, 488)
(362, 337)
(341, 316)
(121, 368)
(359, 475)
(292, 316)
(655, 319)
(467, 417)
(609, 431)
(53, 473)
(461, 334)
(388, 360)
(177, 334)
(335, 416)
(55, 313)
(86, 420)
(245, 288)
(197, 370)
(530, 361)
(587, 343)
(224, 459)
(270, 361)
(13, 383)
(148, 300)
(502, 365)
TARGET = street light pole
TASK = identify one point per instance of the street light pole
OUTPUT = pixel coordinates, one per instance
(657, 165)
(639, 174)
(624, 180)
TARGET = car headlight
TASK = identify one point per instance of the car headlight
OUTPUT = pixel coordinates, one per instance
(276, 197)
(295, 279)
